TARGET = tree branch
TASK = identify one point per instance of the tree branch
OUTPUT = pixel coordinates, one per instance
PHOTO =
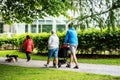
(87, 16)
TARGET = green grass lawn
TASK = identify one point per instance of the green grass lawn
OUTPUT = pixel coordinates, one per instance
(8, 72)
(38, 57)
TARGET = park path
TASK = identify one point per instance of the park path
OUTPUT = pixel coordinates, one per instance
(83, 67)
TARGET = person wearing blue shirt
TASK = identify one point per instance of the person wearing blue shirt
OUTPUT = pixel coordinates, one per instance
(72, 39)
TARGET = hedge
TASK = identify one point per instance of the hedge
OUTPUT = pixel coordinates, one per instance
(91, 41)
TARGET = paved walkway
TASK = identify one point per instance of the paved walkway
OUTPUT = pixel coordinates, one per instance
(83, 67)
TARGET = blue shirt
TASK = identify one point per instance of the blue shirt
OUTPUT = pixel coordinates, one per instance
(71, 37)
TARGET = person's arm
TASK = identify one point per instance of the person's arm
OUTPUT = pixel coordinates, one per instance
(24, 43)
(66, 38)
(49, 40)
(32, 45)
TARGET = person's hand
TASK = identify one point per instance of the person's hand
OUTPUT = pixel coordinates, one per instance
(64, 46)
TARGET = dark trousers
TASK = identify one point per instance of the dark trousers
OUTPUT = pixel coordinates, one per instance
(28, 56)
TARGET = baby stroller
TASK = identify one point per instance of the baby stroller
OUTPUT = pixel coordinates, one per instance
(62, 55)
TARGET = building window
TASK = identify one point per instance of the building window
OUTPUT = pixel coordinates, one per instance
(49, 21)
(26, 28)
(1, 27)
(60, 28)
(33, 28)
(41, 21)
(46, 28)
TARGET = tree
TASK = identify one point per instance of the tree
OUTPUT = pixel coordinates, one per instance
(99, 13)
(27, 10)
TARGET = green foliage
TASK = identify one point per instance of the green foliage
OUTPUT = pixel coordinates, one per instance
(98, 13)
(91, 41)
(96, 42)
(27, 10)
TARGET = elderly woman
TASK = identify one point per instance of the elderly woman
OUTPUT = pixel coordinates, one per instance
(53, 45)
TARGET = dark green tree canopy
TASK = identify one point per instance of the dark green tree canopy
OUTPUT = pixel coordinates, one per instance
(27, 10)
(100, 13)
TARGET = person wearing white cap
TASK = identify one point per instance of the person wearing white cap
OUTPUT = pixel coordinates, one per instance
(53, 46)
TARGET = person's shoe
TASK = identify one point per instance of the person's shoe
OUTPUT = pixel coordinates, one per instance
(56, 66)
(76, 67)
(46, 65)
(28, 60)
(68, 66)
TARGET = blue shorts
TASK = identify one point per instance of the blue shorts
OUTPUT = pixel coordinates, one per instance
(53, 52)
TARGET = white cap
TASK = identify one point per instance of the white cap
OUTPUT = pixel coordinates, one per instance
(53, 31)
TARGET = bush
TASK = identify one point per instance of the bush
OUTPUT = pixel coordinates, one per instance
(91, 41)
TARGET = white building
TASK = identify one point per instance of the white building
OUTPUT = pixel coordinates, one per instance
(38, 26)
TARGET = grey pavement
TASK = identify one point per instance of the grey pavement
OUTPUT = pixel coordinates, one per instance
(83, 67)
